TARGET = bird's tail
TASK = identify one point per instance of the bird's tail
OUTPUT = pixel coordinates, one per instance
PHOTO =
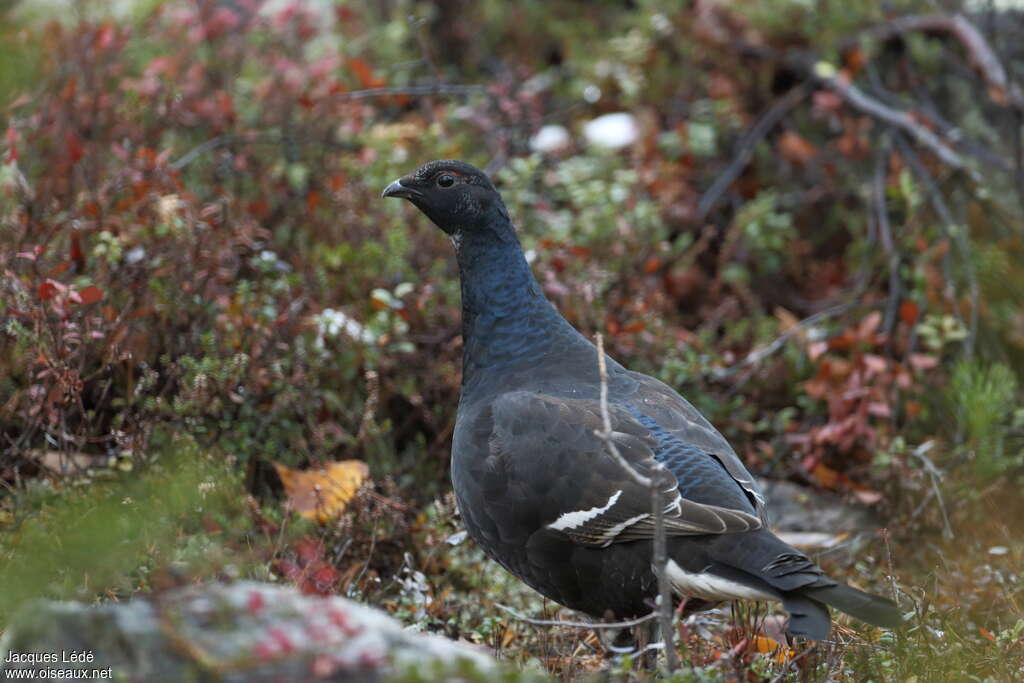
(872, 609)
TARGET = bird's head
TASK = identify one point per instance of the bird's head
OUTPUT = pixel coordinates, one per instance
(455, 195)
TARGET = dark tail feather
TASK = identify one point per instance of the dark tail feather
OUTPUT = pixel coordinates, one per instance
(858, 604)
(807, 618)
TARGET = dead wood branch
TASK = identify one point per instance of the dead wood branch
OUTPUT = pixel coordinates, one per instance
(980, 54)
(657, 483)
(745, 148)
(577, 624)
(904, 121)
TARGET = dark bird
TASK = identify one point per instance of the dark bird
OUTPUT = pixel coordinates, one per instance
(538, 488)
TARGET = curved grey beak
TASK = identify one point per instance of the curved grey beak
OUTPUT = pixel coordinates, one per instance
(397, 189)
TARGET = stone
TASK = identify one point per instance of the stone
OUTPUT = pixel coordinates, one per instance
(246, 631)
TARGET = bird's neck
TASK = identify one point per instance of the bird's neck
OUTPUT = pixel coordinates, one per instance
(506, 320)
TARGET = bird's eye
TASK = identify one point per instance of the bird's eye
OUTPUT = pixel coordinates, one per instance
(445, 180)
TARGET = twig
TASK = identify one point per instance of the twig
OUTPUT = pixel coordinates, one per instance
(856, 98)
(214, 143)
(411, 91)
(762, 352)
(979, 53)
(881, 213)
(605, 434)
(658, 481)
(745, 148)
(921, 453)
(577, 624)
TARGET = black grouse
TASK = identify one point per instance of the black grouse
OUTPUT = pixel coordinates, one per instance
(536, 486)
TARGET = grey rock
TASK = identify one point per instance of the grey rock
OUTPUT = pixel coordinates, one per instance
(245, 631)
(798, 508)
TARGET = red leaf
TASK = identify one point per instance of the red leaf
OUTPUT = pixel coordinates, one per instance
(986, 634)
(74, 147)
(77, 255)
(308, 550)
(313, 200)
(59, 268)
(105, 37)
(90, 294)
(322, 581)
(634, 326)
(908, 312)
(50, 289)
(289, 570)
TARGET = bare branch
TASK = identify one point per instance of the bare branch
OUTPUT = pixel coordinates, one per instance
(745, 148)
(763, 352)
(658, 482)
(411, 91)
(606, 433)
(979, 53)
(577, 624)
(902, 120)
(921, 453)
(881, 216)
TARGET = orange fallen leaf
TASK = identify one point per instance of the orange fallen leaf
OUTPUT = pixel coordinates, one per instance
(825, 475)
(770, 646)
(796, 149)
(322, 494)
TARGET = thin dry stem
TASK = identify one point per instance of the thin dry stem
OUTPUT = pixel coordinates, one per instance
(657, 483)
(577, 624)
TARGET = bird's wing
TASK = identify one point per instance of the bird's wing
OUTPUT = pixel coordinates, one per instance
(548, 448)
(673, 414)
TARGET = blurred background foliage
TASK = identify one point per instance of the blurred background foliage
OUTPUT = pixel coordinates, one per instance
(805, 216)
